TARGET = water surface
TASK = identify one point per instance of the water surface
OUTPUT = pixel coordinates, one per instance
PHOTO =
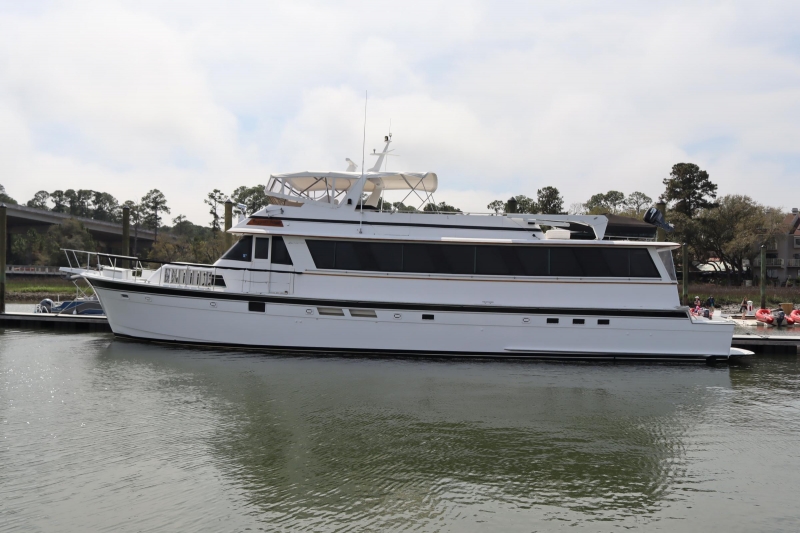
(98, 434)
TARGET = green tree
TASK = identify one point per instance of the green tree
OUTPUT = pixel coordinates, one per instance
(69, 235)
(549, 201)
(441, 207)
(498, 206)
(79, 202)
(637, 201)
(4, 198)
(179, 224)
(214, 198)
(400, 206)
(39, 200)
(154, 203)
(610, 202)
(104, 207)
(60, 201)
(689, 189)
(734, 230)
(526, 204)
(136, 220)
(255, 198)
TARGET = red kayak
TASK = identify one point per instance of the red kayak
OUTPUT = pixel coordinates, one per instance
(765, 316)
(795, 316)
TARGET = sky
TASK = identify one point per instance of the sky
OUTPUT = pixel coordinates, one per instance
(497, 98)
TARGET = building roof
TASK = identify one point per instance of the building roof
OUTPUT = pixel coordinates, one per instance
(792, 222)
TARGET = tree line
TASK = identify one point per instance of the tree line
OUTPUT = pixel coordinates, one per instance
(728, 229)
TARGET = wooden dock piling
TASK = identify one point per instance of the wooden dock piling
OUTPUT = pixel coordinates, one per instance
(763, 279)
(3, 246)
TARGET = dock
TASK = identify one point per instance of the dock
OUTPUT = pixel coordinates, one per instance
(772, 344)
(55, 321)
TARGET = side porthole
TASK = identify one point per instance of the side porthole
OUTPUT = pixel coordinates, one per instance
(552, 321)
(427, 317)
(257, 307)
(578, 321)
(603, 322)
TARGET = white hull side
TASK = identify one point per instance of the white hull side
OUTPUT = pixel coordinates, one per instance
(195, 320)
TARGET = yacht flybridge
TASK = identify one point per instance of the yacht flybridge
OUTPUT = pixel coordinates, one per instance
(330, 266)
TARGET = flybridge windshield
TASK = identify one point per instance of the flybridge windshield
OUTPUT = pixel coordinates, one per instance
(556, 261)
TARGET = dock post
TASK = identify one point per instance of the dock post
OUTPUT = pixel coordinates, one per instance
(763, 279)
(126, 235)
(228, 221)
(661, 235)
(3, 244)
(685, 259)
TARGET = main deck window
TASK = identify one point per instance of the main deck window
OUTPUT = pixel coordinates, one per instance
(241, 251)
(512, 260)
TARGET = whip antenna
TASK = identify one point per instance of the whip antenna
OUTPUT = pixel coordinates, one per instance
(363, 146)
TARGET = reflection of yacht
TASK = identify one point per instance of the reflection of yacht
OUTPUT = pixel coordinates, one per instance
(328, 267)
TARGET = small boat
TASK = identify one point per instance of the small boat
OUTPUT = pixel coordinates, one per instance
(774, 317)
(78, 306)
(765, 316)
(82, 304)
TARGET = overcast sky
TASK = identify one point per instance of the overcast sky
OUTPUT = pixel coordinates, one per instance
(498, 98)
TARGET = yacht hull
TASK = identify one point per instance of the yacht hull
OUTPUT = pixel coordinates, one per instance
(141, 311)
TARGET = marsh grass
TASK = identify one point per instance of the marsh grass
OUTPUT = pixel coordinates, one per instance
(35, 288)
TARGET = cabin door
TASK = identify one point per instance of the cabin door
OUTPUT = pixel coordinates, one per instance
(271, 268)
(281, 276)
(260, 266)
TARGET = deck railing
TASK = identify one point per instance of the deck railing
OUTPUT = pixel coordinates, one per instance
(793, 262)
(770, 262)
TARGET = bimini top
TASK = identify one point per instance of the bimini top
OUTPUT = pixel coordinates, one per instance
(309, 181)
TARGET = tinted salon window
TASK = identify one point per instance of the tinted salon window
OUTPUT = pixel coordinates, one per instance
(280, 255)
(642, 265)
(499, 260)
(439, 258)
(241, 251)
(262, 248)
(322, 252)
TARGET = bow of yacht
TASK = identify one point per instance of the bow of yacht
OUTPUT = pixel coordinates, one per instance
(329, 267)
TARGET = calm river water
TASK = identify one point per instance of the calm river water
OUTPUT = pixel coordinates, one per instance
(98, 434)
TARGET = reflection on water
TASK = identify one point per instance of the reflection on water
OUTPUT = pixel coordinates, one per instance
(102, 434)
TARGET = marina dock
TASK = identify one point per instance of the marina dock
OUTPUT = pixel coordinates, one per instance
(55, 321)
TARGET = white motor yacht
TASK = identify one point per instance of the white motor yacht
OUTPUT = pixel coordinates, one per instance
(328, 268)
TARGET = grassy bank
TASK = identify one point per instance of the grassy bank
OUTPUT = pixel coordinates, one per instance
(735, 295)
(36, 288)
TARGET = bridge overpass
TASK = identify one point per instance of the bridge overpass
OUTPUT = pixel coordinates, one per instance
(107, 234)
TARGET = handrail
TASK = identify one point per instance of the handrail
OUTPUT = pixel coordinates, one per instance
(199, 276)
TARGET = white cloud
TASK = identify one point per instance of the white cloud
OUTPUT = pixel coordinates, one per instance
(498, 99)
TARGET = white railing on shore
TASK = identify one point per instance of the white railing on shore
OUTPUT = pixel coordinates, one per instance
(770, 262)
(32, 270)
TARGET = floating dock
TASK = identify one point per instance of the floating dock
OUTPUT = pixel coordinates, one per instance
(55, 321)
(773, 344)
